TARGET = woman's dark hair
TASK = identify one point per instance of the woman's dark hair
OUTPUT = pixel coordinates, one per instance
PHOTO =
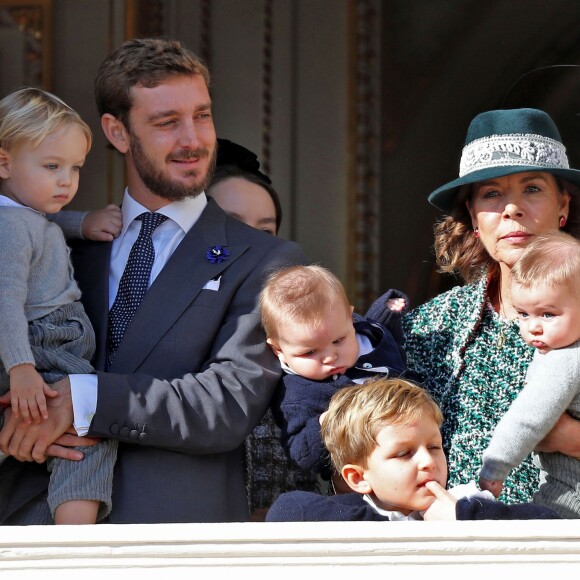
(233, 160)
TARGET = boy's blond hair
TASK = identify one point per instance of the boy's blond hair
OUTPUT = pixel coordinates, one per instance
(29, 115)
(300, 295)
(551, 259)
(356, 414)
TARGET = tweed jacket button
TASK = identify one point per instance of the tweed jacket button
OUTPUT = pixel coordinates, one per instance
(124, 431)
(133, 434)
(114, 428)
(142, 436)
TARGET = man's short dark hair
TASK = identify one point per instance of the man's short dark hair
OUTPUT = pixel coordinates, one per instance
(144, 62)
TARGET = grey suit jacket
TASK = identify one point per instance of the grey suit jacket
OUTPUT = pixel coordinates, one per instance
(191, 378)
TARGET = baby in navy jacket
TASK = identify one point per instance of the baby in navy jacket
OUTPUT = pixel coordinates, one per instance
(323, 347)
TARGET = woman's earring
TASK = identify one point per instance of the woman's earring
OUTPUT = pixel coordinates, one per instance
(562, 221)
(476, 232)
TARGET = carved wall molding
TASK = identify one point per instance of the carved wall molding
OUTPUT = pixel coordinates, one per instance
(144, 18)
(267, 46)
(364, 140)
(31, 20)
(205, 44)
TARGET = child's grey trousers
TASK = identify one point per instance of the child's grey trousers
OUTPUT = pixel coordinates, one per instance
(62, 343)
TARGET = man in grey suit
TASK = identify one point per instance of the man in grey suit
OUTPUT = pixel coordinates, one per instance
(191, 375)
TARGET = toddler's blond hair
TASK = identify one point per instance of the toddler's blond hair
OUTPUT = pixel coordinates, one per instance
(29, 115)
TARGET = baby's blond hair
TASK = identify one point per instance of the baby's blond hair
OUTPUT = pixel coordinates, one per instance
(356, 414)
(299, 295)
(29, 115)
(551, 259)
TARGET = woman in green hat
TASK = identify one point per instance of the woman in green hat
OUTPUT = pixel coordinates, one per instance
(514, 184)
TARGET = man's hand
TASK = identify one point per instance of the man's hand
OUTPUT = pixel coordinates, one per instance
(63, 446)
(102, 225)
(443, 508)
(31, 442)
(564, 437)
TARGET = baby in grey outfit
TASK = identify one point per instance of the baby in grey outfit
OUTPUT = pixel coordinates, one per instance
(546, 293)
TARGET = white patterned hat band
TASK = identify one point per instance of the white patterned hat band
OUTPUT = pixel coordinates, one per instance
(509, 150)
(505, 142)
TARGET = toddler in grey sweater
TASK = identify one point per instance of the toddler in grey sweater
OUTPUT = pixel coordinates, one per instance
(45, 333)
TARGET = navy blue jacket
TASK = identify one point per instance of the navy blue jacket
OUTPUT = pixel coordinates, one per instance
(298, 402)
(304, 506)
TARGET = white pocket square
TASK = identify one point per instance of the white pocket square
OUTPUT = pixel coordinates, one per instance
(213, 285)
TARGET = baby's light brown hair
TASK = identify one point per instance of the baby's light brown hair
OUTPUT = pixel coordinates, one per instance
(551, 259)
(356, 414)
(299, 295)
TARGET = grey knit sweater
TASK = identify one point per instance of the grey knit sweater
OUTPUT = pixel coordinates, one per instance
(70, 222)
(36, 278)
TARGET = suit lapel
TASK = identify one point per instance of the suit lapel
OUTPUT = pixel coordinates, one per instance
(176, 287)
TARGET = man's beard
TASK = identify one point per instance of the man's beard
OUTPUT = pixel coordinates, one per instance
(163, 186)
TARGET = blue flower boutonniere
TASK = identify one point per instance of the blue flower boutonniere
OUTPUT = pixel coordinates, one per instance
(217, 254)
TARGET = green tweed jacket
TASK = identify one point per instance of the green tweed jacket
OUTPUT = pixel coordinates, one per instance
(474, 364)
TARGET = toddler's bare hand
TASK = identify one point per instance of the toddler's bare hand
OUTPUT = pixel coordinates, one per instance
(28, 393)
(491, 485)
(396, 304)
(103, 225)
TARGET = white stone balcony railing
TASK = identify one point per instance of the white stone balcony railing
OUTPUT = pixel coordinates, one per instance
(468, 550)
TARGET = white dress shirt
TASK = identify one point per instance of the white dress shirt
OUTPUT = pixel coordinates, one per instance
(393, 515)
(166, 237)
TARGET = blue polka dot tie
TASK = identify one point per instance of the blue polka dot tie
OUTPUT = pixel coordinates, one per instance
(134, 281)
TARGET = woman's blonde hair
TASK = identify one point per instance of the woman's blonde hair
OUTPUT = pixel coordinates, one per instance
(299, 295)
(357, 413)
(29, 115)
(552, 259)
(458, 251)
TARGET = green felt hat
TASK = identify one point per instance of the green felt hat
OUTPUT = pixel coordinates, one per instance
(504, 142)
